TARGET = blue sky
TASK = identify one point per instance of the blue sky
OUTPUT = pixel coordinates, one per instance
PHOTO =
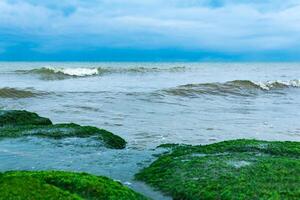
(150, 30)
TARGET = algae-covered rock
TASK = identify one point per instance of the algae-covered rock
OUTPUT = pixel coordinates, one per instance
(21, 117)
(14, 123)
(48, 185)
(238, 169)
(58, 131)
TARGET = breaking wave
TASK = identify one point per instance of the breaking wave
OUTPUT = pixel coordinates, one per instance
(54, 73)
(237, 87)
(18, 93)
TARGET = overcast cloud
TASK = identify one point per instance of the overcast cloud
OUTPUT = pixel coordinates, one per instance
(222, 26)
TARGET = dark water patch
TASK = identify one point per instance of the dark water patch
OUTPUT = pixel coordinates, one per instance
(85, 108)
(15, 93)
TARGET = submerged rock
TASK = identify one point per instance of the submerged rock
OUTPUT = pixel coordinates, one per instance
(61, 185)
(237, 169)
(21, 117)
(22, 123)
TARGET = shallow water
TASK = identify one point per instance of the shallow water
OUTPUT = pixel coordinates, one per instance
(147, 104)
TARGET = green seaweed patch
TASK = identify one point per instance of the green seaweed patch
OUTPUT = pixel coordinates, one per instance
(21, 117)
(236, 169)
(25, 185)
(59, 131)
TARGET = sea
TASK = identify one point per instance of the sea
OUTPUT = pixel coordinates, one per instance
(148, 104)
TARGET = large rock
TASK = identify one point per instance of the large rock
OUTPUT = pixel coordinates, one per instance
(22, 123)
(26, 185)
(238, 169)
(21, 117)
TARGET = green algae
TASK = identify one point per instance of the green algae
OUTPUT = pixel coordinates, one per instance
(59, 131)
(237, 169)
(25, 185)
(14, 123)
(21, 117)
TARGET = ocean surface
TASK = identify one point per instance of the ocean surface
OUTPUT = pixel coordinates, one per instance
(147, 104)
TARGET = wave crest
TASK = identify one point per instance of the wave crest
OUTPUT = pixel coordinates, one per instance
(63, 73)
(236, 87)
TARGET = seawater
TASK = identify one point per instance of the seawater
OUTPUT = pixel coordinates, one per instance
(147, 104)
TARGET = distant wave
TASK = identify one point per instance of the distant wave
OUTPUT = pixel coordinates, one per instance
(56, 73)
(236, 87)
(18, 93)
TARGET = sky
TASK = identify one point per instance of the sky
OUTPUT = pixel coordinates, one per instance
(116, 30)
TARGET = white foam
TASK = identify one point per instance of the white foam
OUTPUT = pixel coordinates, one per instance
(75, 71)
(273, 84)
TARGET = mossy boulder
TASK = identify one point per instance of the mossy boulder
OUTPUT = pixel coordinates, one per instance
(58, 131)
(237, 169)
(26, 185)
(21, 117)
(23, 123)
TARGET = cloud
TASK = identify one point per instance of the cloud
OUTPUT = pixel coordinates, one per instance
(222, 26)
